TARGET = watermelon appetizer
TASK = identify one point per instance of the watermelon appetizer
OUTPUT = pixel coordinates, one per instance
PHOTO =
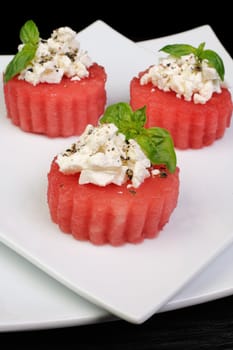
(118, 183)
(52, 87)
(185, 93)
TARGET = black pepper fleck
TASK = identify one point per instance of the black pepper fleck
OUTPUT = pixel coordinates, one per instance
(163, 174)
(133, 192)
(129, 173)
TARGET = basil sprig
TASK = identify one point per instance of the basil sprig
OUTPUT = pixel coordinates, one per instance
(29, 35)
(213, 59)
(156, 142)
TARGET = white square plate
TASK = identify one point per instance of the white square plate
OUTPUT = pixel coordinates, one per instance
(132, 281)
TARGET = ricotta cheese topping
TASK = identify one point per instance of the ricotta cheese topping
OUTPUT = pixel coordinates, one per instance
(56, 57)
(102, 155)
(186, 76)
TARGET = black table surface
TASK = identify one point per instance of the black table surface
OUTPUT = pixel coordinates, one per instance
(204, 326)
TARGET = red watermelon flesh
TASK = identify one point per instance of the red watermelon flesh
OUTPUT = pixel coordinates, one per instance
(62, 109)
(111, 214)
(191, 125)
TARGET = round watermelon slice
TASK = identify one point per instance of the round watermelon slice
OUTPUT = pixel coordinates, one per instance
(111, 214)
(62, 109)
(191, 125)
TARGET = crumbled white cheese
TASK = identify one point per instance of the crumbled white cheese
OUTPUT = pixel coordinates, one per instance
(103, 156)
(56, 57)
(155, 172)
(186, 76)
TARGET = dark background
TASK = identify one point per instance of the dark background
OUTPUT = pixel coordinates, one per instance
(137, 22)
(206, 326)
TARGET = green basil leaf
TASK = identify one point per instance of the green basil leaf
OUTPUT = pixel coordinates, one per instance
(215, 61)
(158, 146)
(29, 33)
(156, 143)
(127, 122)
(20, 61)
(178, 50)
(200, 49)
